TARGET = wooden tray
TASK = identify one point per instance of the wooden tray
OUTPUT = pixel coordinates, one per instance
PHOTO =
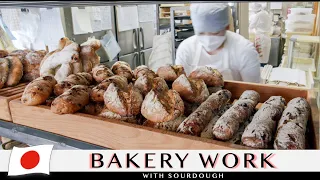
(120, 135)
(6, 95)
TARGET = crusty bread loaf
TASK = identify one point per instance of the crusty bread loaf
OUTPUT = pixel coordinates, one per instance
(49, 101)
(259, 133)
(191, 90)
(71, 101)
(4, 71)
(125, 101)
(82, 78)
(3, 53)
(93, 108)
(144, 84)
(106, 113)
(162, 105)
(21, 54)
(292, 127)
(15, 71)
(98, 91)
(38, 91)
(101, 72)
(168, 125)
(122, 68)
(143, 70)
(228, 124)
(88, 55)
(196, 122)
(31, 64)
(170, 72)
(211, 77)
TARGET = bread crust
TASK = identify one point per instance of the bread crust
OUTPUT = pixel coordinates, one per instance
(101, 72)
(82, 78)
(4, 71)
(170, 72)
(15, 71)
(143, 70)
(212, 77)
(122, 68)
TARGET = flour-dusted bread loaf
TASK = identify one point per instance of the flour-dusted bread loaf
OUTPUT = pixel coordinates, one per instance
(93, 108)
(122, 68)
(191, 90)
(229, 123)
(4, 71)
(88, 55)
(59, 63)
(71, 101)
(3, 53)
(260, 132)
(161, 105)
(195, 123)
(143, 70)
(106, 113)
(207, 132)
(292, 127)
(31, 64)
(170, 72)
(21, 54)
(98, 91)
(82, 78)
(125, 101)
(144, 83)
(15, 71)
(101, 72)
(168, 125)
(211, 77)
(38, 91)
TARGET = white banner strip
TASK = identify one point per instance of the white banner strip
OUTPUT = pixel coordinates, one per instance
(178, 160)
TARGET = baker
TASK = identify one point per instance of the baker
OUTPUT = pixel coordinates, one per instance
(213, 45)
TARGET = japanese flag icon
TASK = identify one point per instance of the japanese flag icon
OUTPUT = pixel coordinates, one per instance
(35, 159)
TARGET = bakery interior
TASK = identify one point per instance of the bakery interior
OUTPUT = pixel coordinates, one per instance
(102, 75)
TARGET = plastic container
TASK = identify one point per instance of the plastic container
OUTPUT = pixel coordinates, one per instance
(301, 18)
(299, 27)
(300, 11)
(305, 64)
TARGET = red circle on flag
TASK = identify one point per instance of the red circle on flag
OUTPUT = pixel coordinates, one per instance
(30, 159)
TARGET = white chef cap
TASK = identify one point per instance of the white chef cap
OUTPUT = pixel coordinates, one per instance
(256, 7)
(209, 17)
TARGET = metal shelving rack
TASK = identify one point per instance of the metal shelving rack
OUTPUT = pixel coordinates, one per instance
(174, 26)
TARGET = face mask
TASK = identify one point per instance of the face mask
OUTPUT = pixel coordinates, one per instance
(211, 43)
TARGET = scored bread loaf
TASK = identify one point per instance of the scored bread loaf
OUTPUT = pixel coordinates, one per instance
(88, 55)
(98, 91)
(162, 104)
(15, 71)
(71, 101)
(144, 83)
(101, 73)
(292, 127)
(3, 53)
(125, 101)
(195, 123)
(259, 133)
(211, 77)
(143, 70)
(168, 125)
(38, 91)
(170, 72)
(82, 78)
(228, 124)
(191, 90)
(122, 68)
(31, 64)
(4, 71)
(93, 108)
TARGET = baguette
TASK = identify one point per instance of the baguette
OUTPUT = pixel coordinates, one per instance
(82, 78)
(228, 124)
(191, 90)
(170, 72)
(38, 91)
(259, 133)
(168, 125)
(15, 71)
(71, 101)
(4, 71)
(195, 123)
(292, 126)
(98, 91)
(212, 77)
(101, 73)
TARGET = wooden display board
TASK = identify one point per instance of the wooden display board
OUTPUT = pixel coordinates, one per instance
(6, 95)
(121, 135)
